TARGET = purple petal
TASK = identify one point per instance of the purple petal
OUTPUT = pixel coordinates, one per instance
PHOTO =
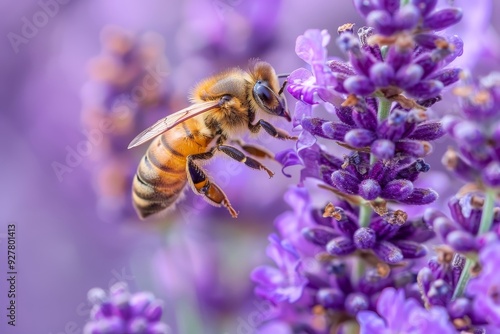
(397, 189)
(383, 148)
(319, 235)
(388, 252)
(365, 238)
(311, 46)
(491, 174)
(461, 241)
(421, 196)
(369, 189)
(340, 246)
(359, 85)
(359, 137)
(381, 74)
(345, 182)
(443, 18)
(288, 158)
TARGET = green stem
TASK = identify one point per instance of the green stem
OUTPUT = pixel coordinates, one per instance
(487, 215)
(383, 50)
(187, 318)
(384, 108)
(358, 268)
(485, 226)
(464, 278)
(404, 2)
(351, 327)
(365, 213)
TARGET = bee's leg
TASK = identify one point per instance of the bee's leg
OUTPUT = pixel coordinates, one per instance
(201, 184)
(254, 150)
(237, 155)
(269, 128)
(283, 87)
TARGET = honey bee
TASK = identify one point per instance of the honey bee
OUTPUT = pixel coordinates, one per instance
(223, 105)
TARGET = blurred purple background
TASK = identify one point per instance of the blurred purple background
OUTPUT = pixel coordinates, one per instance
(74, 232)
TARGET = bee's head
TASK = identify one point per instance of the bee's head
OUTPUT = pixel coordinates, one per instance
(270, 101)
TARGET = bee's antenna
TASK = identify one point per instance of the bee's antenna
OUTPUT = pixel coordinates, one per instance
(283, 75)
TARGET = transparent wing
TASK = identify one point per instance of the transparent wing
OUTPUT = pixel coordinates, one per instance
(170, 121)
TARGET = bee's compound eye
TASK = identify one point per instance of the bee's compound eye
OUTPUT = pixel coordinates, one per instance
(224, 99)
(263, 93)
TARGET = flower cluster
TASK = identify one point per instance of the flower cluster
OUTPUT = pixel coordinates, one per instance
(121, 312)
(396, 72)
(418, 16)
(359, 258)
(476, 311)
(418, 71)
(461, 232)
(477, 132)
(308, 274)
(390, 236)
(399, 142)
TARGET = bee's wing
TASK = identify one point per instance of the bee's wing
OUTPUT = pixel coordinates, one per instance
(172, 120)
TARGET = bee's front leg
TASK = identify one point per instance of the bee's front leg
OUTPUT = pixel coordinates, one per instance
(201, 184)
(270, 129)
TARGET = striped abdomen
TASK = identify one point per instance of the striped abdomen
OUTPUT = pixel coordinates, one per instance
(161, 175)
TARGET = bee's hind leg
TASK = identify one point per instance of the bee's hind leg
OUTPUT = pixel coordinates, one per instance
(255, 150)
(201, 184)
(237, 155)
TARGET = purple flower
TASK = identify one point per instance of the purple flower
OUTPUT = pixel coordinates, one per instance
(396, 68)
(438, 280)
(461, 232)
(122, 312)
(390, 17)
(485, 288)
(399, 142)
(284, 283)
(390, 237)
(418, 71)
(290, 223)
(477, 132)
(387, 179)
(316, 86)
(306, 275)
(396, 314)
(403, 133)
(306, 152)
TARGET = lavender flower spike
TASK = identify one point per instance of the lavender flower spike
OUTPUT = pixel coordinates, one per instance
(123, 312)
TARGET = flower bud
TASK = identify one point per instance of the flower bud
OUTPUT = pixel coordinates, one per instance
(388, 252)
(345, 182)
(365, 238)
(340, 246)
(397, 189)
